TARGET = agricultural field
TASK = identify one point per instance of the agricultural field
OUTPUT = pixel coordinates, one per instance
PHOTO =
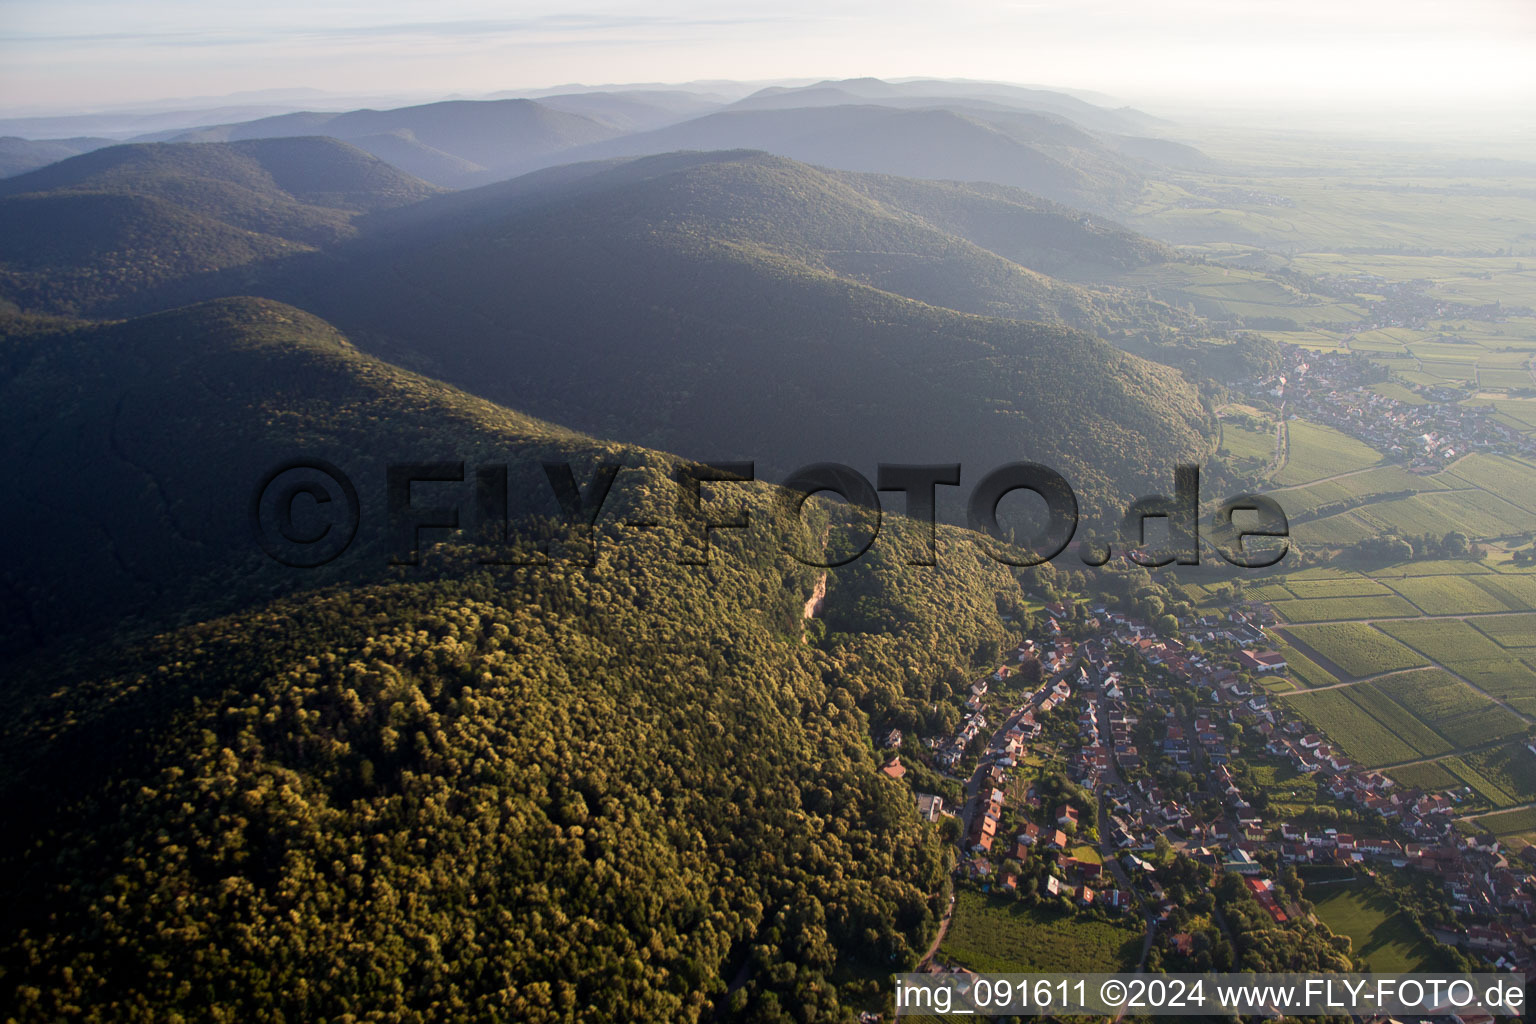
(1301, 668)
(1356, 648)
(1329, 609)
(1353, 490)
(1508, 478)
(1433, 694)
(1509, 630)
(1243, 443)
(1397, 719)
(1448, 595)
(997, 934)
(1351, 727)
(1445, 640)
(1476, 513)
(1315, 452)
(1490, 791)
(1511, 767)
(1383, 936)
(1351, 586)
(1484, 725)
(1429, 776)
(1517, 590)
(1509, 822)
(1506, 678)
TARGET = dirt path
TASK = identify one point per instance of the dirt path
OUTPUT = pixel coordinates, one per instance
(933, 948)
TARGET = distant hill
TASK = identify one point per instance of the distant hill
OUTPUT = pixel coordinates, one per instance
(742, 305)
(934, 92)
(83, 235)
(1040, 153)
(633, 110)
(17, 155)
(483, 140)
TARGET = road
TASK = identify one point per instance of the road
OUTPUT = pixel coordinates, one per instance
(1111, 777)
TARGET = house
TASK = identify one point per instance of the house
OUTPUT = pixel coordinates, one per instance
(893, 739)
(1066, 815)
(894, 768)
(1241, 862)
(1261, 661)
(930, 806)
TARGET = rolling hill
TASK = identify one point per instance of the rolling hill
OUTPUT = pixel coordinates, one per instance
(1040, 153)
(745, 306)
(91, 233)
(453, 143)
(18, 155)
(139, 443)
(939, 92)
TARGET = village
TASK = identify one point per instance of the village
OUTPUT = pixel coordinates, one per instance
(1149, 731)
(1334, 389)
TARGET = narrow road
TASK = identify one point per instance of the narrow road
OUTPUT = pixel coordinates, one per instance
(1364, 679)
(1497, 810)
(949, 913)
(1111, 856)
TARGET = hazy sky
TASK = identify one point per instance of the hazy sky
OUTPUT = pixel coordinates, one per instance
(89, 53)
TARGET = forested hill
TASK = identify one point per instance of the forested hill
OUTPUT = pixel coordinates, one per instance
(542, 794)
(82, 235)
(139, 445)
(744, 306)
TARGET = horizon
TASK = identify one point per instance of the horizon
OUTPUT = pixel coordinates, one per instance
(1418, 59)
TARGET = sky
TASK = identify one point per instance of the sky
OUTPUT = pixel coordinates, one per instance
(63, 55)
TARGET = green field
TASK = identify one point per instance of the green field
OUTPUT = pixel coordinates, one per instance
(1353, 490)
(1328, 609)
(1509, 822)
(1428, 775)
(1384, 938)
(1448, 595)
(1316, 451)
(1243, 443)
(1485, 787)
(1510, 479)
(1444, 640)
(1509, 630)
(1397, 719)
(1511, 767)
(1355, 647)
(1507, 678)
(1354, 586)
(1002, 935)
(1302, 668)
(1433, 694)
(1518, 590)
(1487, 723)
(1351, 727)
